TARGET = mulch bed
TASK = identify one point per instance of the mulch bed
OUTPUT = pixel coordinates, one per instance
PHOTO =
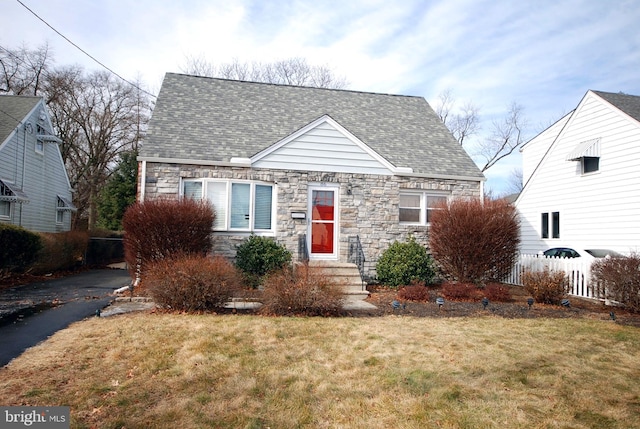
(383, 297)
(517, 307)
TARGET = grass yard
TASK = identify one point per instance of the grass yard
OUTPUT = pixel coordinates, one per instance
(196, 371)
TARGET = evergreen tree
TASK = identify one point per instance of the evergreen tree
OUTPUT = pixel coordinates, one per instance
(119, 193)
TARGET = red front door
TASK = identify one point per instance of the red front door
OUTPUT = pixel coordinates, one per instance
(323, 222)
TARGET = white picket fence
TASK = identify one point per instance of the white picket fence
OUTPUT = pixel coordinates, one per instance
(578, 271)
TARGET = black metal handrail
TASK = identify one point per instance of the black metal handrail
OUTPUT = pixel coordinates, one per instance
(356, 256)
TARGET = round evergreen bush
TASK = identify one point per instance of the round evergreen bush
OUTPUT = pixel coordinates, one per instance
(404, 263)
(258, 256)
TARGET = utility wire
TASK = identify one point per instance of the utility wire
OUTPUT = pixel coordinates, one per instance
(85, 52)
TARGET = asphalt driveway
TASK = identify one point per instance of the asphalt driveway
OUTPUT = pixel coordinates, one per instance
(31, 313)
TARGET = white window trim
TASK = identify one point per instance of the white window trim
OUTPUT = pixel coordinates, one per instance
(228, 183)
(424, 195)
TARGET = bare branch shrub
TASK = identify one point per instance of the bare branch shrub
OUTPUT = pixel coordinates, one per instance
(546, 286)
(192, 283)
(618, 279)
(461, 291)
(497, 292)
(416, 291)
(61, 251)
(301, 291)
(165, 228)
(475, 241)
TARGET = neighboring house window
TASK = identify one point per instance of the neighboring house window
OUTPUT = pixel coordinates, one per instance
(63, 205)
(239, 206)
(545, 225)
(40, 143)
(5, 205)
(5, 209)
(555, 222)
(550, 223)
(60, 211)
(417, 208)
(590, 164)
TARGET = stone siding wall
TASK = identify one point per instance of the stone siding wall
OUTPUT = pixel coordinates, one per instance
(368, 204)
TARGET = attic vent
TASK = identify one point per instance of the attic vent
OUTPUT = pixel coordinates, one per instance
(586, 149)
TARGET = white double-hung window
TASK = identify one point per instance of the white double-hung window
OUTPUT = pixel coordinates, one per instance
(239, 205)
(417, 207)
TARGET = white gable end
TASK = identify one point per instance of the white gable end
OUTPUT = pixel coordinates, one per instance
(323, 146)
(597, 209)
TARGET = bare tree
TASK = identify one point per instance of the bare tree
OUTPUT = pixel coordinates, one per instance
(464, 123)
(98, 117)
(292, 71)
(515, 184)
(506, 136)
(24, 71)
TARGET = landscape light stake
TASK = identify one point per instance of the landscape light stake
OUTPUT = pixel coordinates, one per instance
(565, 303)
(397, 306)
(440, 302)
(530, 302)
(485, 302)
(612, 315)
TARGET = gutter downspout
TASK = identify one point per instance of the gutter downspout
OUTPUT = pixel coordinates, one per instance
(143, 180)
(24, 162)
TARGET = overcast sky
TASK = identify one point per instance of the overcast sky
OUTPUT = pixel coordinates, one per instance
(542, 54)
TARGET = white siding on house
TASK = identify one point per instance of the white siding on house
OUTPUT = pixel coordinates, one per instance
(323, 148)
(535, 149)
(600, 209)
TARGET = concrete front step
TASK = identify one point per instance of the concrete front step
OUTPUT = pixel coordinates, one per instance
(344, 274)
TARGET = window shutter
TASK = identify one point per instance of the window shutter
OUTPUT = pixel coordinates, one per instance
(262, 209)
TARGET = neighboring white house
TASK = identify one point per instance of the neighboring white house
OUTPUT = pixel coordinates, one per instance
(582, 178)
(34, 187)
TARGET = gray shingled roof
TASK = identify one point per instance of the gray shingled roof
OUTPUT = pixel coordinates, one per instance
(198, 118)
(629, 104)
(13, 109)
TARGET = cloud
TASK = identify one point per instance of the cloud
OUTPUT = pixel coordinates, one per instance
(544, 55)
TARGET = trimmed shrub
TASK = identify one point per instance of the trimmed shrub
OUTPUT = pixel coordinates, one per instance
(461, 291)
(258, 256)
(61, 251)
(497, 292)
(19, 248)
(475, 241)
(300, 292)
(164, 228)
(546, 286)
(416, 291)
(192, 283)
(404, 263)
(618, 279)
